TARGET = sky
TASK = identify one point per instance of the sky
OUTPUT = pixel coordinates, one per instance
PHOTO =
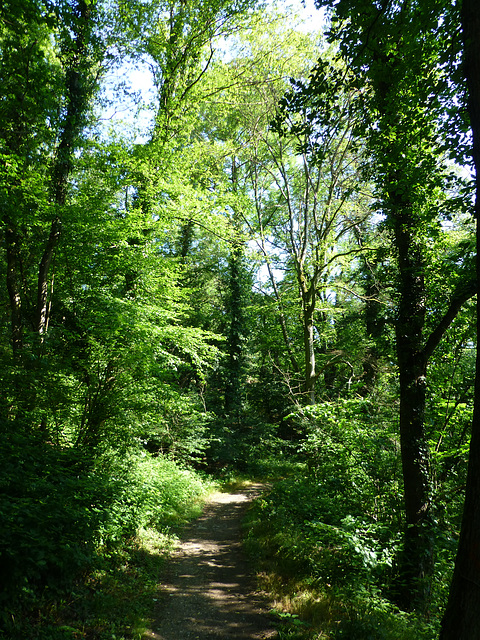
(312, 17)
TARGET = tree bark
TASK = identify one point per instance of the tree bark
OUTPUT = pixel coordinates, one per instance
(43, 270)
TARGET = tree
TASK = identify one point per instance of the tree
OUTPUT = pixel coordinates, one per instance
(461, 619)
(397, 50)
(244, 90)
(49, 65)
(325, 200)
(301, 181)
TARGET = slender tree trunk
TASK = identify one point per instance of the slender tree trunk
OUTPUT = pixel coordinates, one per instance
(281, 317)
(43, 271)
(72, 103)
(462, 620)
(233, 387)
(185, 240)
(309, 344)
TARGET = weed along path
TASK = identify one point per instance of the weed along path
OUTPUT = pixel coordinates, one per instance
(208, 592)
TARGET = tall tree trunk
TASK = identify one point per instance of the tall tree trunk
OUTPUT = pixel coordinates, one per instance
(76, 57)
(462, 620)
(415, 562)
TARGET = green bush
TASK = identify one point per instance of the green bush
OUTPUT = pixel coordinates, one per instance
(61, 513)
(151, 492)
(335, 522)
(52, 507)
(354, 456)
(309, 538)
(326, 537)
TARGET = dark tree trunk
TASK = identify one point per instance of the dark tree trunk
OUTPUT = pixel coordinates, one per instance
(462, 620)
(185, 240)
(29, 293)
(78, 86)
(415, 564)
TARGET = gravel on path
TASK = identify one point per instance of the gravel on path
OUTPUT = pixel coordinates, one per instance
(208, 592)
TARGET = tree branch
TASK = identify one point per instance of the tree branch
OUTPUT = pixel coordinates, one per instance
(464, 293)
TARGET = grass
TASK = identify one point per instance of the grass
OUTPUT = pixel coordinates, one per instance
(311, 612)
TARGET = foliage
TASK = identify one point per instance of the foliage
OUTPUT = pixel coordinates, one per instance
(326, 537)
(176, 286)
(342, 539)
(63, 514)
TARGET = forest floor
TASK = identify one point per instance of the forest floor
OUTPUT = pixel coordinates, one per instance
(208, 591)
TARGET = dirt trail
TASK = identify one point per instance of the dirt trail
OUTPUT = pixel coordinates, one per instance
(208, 592)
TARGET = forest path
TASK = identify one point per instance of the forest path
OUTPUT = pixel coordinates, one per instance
(208, 592)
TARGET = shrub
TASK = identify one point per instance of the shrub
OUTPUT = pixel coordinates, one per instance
(61, 513)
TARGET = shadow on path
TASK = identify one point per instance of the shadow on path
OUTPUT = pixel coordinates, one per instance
(208, 592)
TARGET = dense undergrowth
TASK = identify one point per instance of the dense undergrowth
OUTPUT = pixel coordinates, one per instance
(80, 536)
(326, 536)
